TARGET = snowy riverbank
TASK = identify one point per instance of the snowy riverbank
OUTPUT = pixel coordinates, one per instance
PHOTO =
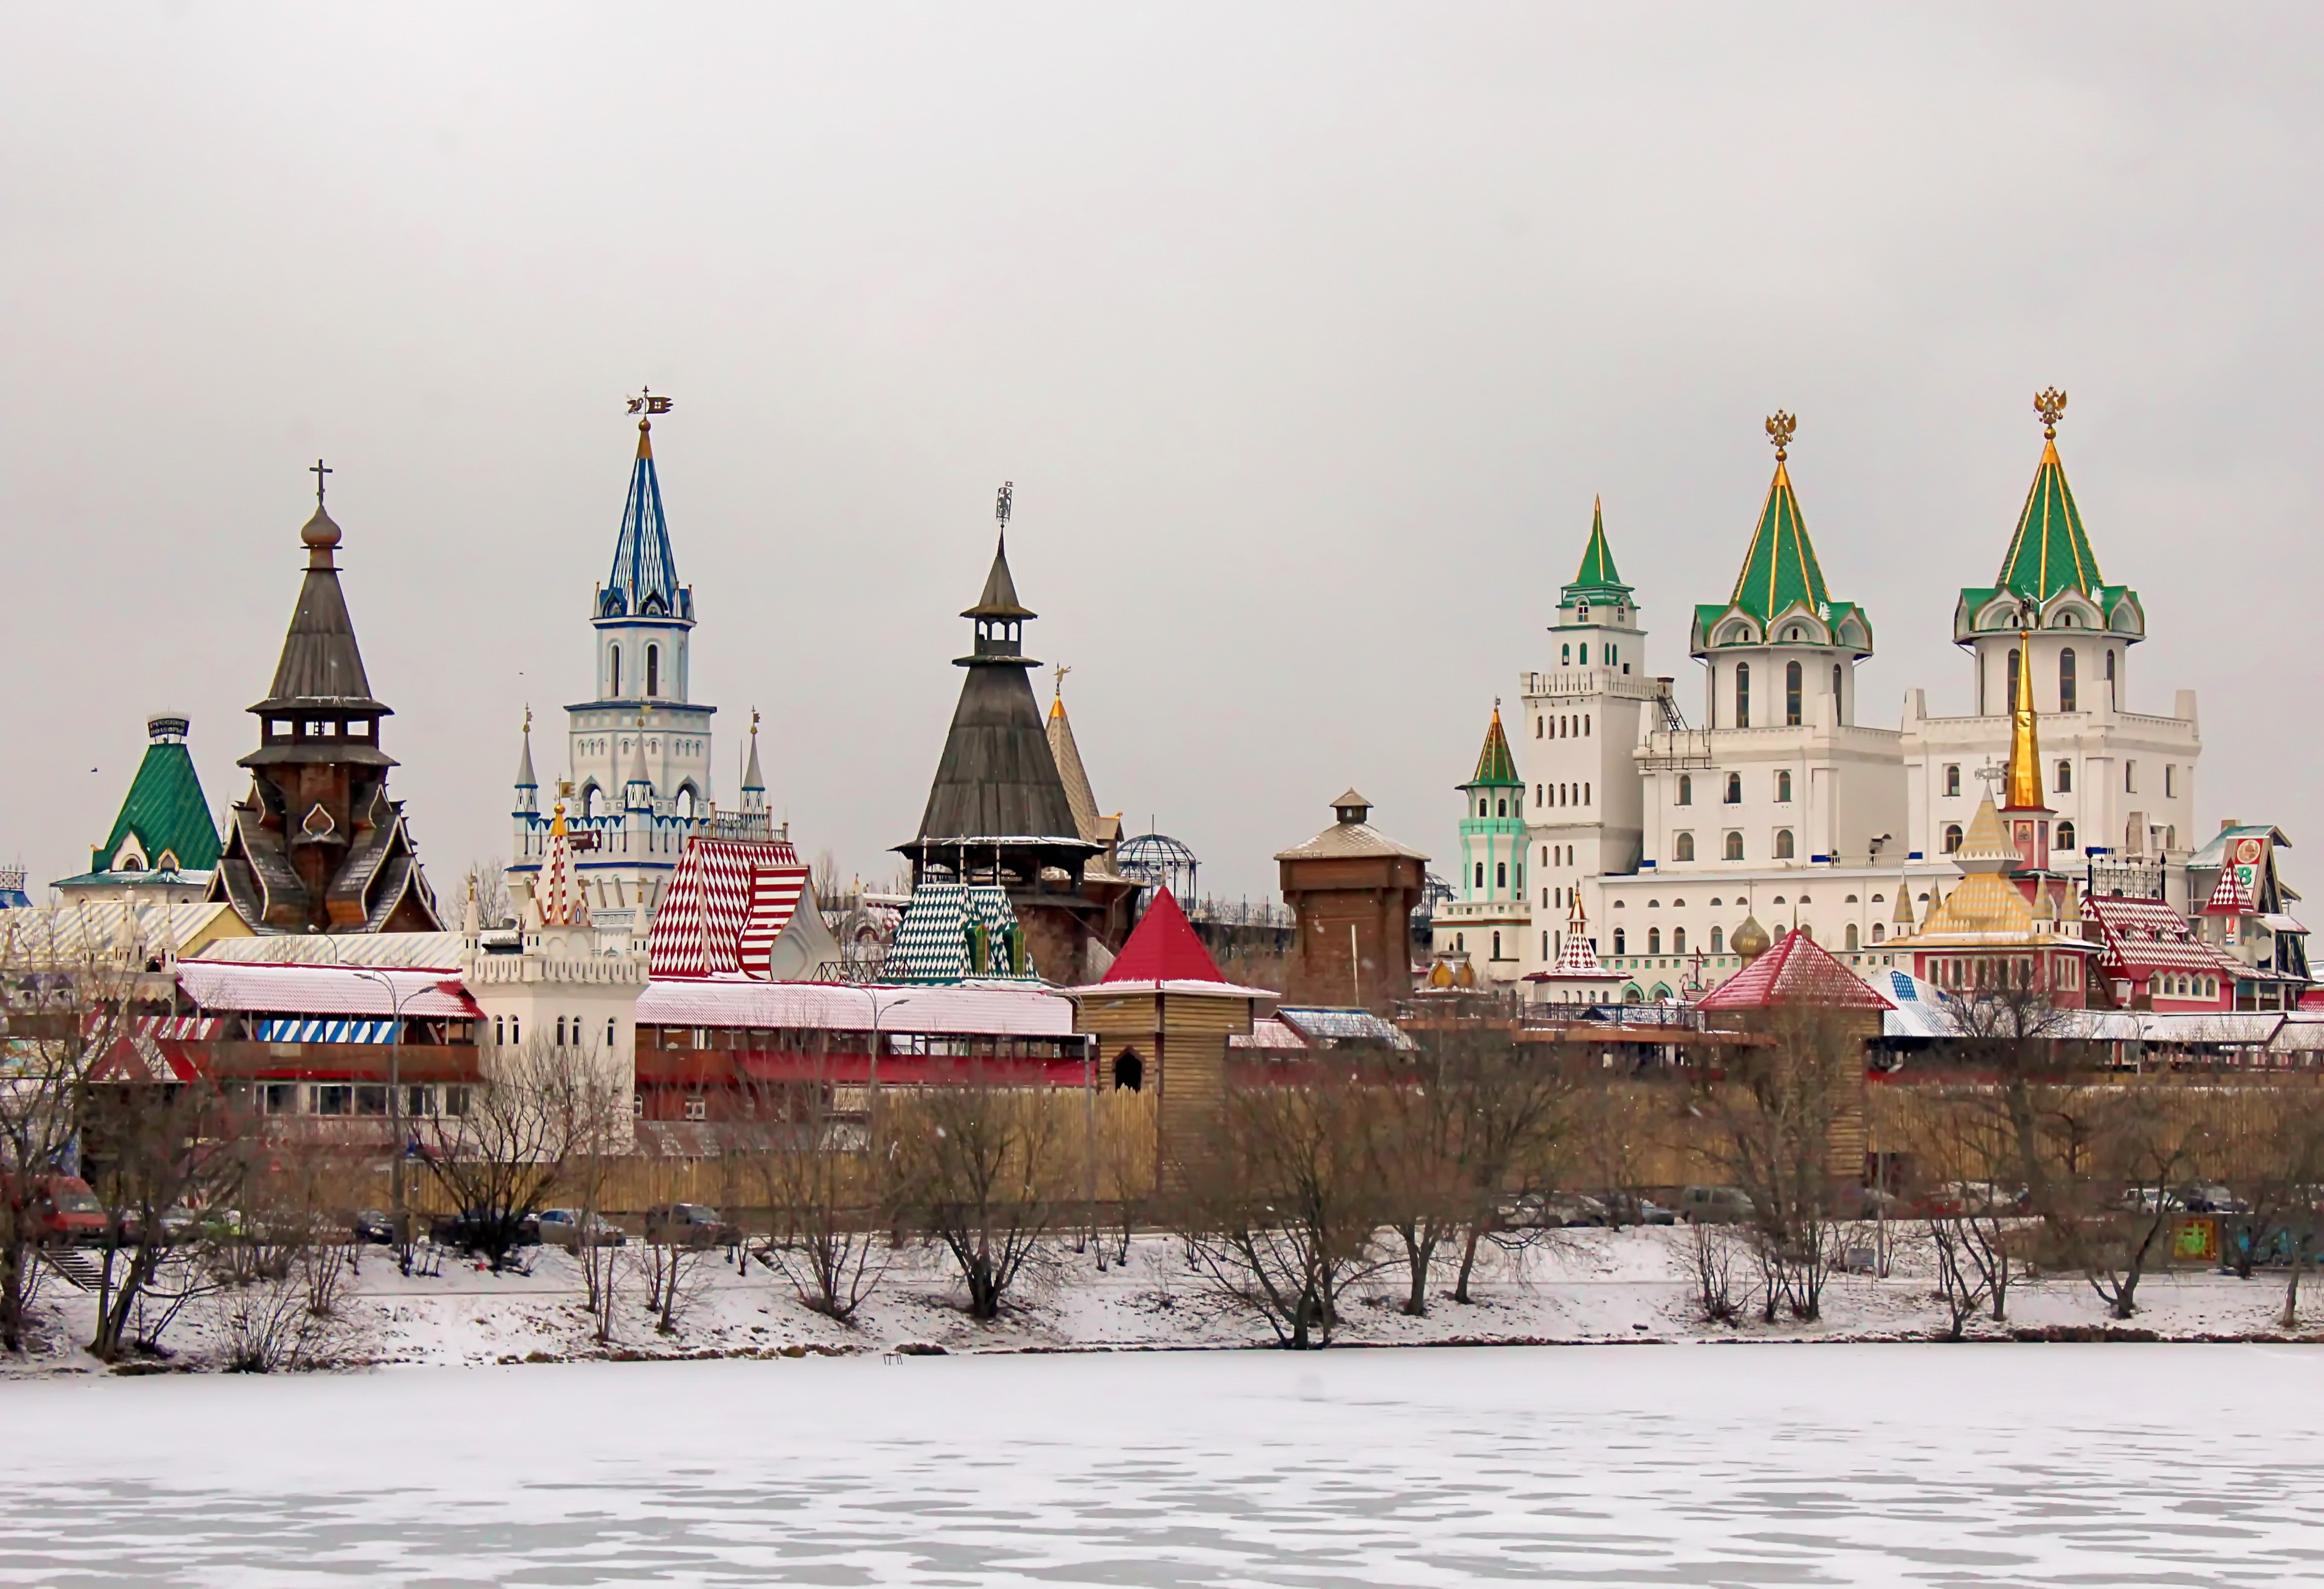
(1584, 1287)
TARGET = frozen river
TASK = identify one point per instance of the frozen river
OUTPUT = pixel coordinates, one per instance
(2085, 1465)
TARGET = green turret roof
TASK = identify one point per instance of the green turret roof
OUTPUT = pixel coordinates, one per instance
(1496, 768)
(1780, 569)
(2050, 551)
(1598, 571)
(166, 811)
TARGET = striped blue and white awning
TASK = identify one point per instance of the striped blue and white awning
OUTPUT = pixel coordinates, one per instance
(300, 1029)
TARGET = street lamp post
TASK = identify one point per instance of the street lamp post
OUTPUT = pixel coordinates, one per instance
(872, 1090)
(395, 1117)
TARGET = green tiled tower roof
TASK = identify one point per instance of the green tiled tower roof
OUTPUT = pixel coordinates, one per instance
(1598, 571)
(2051, 551)
(164, 809)
(1496, 768)
(1781, 567)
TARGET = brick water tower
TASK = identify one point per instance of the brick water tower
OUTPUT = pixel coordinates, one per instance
(1352, 890)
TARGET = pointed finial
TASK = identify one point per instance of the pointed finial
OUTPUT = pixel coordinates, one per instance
(754, 721)
(2050, 404)
(528, 719)
(319, 471)
(1002, 503)
(1781, 427)
(1062, 669)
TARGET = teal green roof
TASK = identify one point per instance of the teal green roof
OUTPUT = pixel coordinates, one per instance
(1496, 768)
(166, 811)
(1780, 569)
(2051, 551)
(1598, 571)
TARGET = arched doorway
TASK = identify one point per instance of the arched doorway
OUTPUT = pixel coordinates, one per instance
(1129, 1071)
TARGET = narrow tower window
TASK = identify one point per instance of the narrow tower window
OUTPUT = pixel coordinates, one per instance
(615, 652)
(1742, 695)
(1783, 787)
(1838, 714)
(653, 670)
(2066, 693)
(1783, 844)
(1735, 788)
(1791, 694)
(2011, 697)
(1685, 789)
(2065, 778)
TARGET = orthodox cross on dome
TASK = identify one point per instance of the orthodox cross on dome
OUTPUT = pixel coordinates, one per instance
(1002, 503)
(319, 471)
(1781, 427)
(2049, 402)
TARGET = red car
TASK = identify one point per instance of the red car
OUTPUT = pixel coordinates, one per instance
(65, 1210)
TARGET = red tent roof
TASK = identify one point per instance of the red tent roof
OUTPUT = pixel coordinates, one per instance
(1794, 971)
(1164, 948)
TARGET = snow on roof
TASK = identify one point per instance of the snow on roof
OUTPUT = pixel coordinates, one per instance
(433, 950)
(1337, 1024)
(1795, 970)
(968, 1010)
(1270, 1035)
(323, 990)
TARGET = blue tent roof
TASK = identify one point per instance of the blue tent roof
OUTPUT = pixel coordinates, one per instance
(644, 581)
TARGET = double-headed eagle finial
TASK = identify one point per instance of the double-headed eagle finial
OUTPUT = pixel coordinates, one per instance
(2049, 402)
(1781, 427)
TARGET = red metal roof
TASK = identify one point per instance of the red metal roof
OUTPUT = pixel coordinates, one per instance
(1164, 948)
(1794, 971)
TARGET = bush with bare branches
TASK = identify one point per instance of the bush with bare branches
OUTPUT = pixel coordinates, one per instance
(978, 1169)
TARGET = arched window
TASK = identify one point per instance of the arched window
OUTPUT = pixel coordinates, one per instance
(1878, 933)
(2065, 836)
(1682, 847)
(1851, 935)
(1500, 874)
(2066, 679)
(1654, 940)
(613, 656)
(1735, 788)
(1481, 874)
(1718, 941)
(685, 802)
(1678, 940)
(1742, 695)
(1952, 837)
(1791, 694)
(1585, 726)
(1585, 794)
(2112, 703)
(653, 670)
(593, 801)
(2010, 699)
(1783, 787)
(1497, 945)
(1952, 781)
(2065, 777)
(1783, 844)
(1735, 846)
(1538, 721)
(1565, 657)
(1620, 943)
(1838, 695)
(1129, 1071)
(1685, 789)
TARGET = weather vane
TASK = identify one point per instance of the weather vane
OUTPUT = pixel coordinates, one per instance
(2050, 404)
(319, 471)
(1003, 503)
(1781, 427)
(1063, 668)
(1992, 773)
(646, 403)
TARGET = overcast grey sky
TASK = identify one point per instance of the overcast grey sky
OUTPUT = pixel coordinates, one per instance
(1307, 333)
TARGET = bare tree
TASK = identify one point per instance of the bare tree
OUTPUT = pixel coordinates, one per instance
(813, 1167)
(1712, 1255)
(487, 883)
(978, 1169)
(1280, 1211)
(534, 1107)
(278, 1296)
(59, 1024)
(1970, 1218)
(170, 1160)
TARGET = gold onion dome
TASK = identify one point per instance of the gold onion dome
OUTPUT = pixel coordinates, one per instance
(1751, 940)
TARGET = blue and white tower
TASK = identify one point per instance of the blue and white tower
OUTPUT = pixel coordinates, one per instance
(640, 749)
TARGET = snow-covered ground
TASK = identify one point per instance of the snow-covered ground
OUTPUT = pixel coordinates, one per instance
(1581, 1286)
(1846, 1464)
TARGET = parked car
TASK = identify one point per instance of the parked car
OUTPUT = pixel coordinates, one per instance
(570, 1228)
(1621, 1208)
(2213, 1199)
(370, 1227)
(1715, 1206)
(2147, 1200)
(177, 1223)
(478, 1230)
(65, 1210)
(688, 1225)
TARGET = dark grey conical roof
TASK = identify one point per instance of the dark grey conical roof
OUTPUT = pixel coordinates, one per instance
(320, 665)
(999, 598)
(997, 778)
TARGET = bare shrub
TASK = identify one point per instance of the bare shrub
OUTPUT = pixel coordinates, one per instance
(1712, 1255)
(977, 1169)
(812, 1167)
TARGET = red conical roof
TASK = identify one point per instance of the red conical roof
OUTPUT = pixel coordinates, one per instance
(1164, 948)
(1796, 970)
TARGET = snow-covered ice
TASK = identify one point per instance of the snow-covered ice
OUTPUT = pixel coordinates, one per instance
(1743, 1465)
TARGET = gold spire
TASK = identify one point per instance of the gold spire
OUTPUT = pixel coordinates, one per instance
(2025, 743)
